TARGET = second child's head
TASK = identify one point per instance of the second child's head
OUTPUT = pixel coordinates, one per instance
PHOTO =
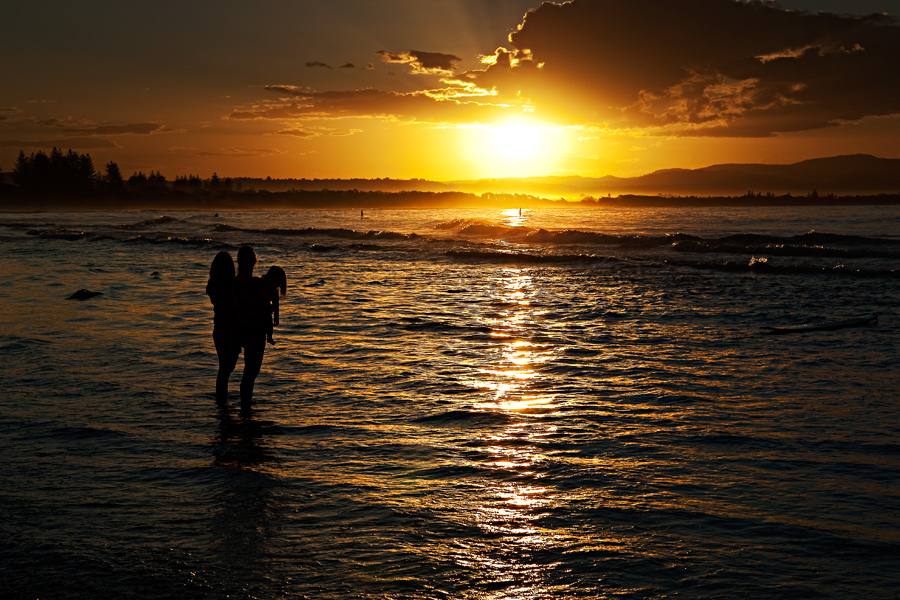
(277, 277)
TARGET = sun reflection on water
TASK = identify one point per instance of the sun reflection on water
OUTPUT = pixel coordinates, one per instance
(515, 217)
(514, 502)
(511, 377)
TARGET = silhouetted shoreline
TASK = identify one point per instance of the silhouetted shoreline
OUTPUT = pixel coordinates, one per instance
(69, 181)
(353, 199)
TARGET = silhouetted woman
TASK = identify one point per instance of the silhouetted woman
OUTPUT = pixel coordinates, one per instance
(253, 320)
(220, 290)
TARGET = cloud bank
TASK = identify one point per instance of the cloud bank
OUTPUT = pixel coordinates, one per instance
(726, 68)
(700, 67)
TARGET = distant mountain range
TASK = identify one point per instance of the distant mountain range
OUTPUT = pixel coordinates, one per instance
(855, 174)
(841, 175)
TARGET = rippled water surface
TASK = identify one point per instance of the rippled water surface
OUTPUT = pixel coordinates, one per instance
(461, 404)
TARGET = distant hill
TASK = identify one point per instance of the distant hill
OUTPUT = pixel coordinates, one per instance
(850, 174)
(836, 176)
(840, 175)
(857, 173)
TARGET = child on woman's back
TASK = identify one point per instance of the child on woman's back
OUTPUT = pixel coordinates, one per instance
(275, 281)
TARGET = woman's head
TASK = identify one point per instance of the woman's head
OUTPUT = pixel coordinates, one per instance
(246, 258)
(222, 267)
(278, 278)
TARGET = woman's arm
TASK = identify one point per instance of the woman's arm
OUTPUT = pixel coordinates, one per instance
(275, 308)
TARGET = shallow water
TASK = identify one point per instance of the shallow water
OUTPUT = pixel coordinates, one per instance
(461, 404)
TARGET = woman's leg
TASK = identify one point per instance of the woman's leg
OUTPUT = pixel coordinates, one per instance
(227, 349)
(254, 347)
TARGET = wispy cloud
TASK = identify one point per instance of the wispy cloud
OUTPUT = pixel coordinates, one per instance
(317, 132)
(300, 133)
(130, 129)
(80, 143)
(454, 104)
(7, 112)
(56, 123)
(230, 152)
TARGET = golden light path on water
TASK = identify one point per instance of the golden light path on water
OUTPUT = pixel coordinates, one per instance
(513, 508)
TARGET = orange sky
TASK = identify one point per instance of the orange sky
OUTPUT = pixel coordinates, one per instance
(449, 90)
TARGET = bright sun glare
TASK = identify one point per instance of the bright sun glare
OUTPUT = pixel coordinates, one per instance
(514, 148)
(515, 140)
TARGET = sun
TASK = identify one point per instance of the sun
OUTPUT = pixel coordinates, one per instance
(517, 147)
(515, 140)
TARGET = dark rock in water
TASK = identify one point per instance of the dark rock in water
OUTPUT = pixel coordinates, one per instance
(155, 275)
(83, 294)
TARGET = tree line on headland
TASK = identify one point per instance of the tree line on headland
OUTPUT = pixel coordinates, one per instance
(69, 180)
(71, 176)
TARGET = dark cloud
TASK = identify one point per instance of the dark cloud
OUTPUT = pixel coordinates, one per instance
(688, 68)
(432, 63)
(290, 90)
(347, 66)
(131, 129)
(314, 64)
(700, 67)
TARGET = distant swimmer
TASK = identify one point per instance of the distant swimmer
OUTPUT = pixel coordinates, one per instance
(361, 214)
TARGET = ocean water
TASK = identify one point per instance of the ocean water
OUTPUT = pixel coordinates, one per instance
(460, 404)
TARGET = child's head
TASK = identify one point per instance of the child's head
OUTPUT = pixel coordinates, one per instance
(277, 277)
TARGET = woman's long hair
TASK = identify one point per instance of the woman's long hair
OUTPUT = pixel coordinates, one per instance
(222, 269)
